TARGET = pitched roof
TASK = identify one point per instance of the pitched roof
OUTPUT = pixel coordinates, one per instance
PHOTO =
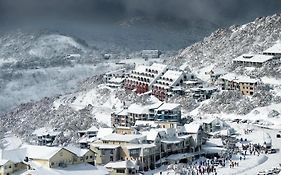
(276, 48)
(77, 151)
(192, 127)
(41, 152)
(137, 109)
(168, 106)
(92, 129)
(15, 155)
(3, 161)
(104, 132)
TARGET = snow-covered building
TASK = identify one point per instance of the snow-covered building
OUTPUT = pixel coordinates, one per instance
(137, 112)
(115, 82)
(253, 60)
(192, 84)
(91, 132)
(244, 84)
(83, 155)
(150, 53)
(202, 93)
(121, 118)
(214, 124)
(166, 82)
(121, 74)
(46, 136)
(50, 156)
(275, 50)
(143, 77)
(12, 161)
(169, 112)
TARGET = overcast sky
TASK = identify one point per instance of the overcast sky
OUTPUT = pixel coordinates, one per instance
(213, 10)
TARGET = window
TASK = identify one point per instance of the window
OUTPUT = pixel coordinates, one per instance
(120, 171)
(87, 157)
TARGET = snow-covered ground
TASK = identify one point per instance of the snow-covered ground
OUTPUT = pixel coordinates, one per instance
(253, 163)
(11, 141)
(80, 169)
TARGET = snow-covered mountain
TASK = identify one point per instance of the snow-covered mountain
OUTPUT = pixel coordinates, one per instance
(223, 45)
(217, 50)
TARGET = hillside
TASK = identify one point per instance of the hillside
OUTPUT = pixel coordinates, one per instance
(223, 45)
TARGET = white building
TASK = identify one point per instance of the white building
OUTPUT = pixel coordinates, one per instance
(143, 77)
(253, 60)
(166, 82)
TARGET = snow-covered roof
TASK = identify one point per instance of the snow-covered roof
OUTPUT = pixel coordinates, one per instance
(104, 132)
(93, 129)
(41, 152)
(46, 131)
(15, 155)
(155, 105)
(158, 67)
(77, 151)
(276, 48)
(122, 138)
(172, 74)
(168, 106)
(122, 164)
(150, 135)
(117, 80)
(192, 127)
(3, 162)
(137, 109)
(123, 112)
(238, 78)
(254, 58)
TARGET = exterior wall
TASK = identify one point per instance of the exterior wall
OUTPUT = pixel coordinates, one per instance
(123, 171)
(247, 88)
(169, 115)
(244, 87)
(89, 157)
(19, 166)
(8, 168)
(63, 157)
(124, 130)
(104, 156)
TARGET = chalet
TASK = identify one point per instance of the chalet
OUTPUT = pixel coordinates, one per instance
(50, 156)
(121, 74)
(46, 136)
(275, 50)
(121, 118)
(16, 156)
(115, 82)
(214, 124)
(169, 112)
(196, 131)
(124, 130)
(87, 136)
(82, 155)
(105, 153)
(215, 75)
(137, 112)
(150, 53)
(252, 60)
(244, 84)
(143, 77)
(202, 93)
(166, 82)
(192, 84)
(6, 167)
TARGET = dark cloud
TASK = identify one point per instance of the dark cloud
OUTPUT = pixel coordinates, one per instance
(213, 10)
